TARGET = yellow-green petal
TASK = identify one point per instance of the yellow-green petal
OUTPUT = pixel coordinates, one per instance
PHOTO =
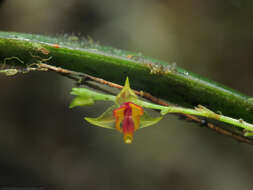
(106, 120)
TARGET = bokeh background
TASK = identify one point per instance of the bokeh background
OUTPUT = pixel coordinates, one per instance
(45, 144)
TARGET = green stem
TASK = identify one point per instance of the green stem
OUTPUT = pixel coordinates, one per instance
(211, 115)
(159, 78)
(84, 95)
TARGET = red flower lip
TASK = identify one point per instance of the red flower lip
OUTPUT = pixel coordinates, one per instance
(128, 119)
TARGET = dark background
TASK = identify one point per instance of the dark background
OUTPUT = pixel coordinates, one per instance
(45, 144)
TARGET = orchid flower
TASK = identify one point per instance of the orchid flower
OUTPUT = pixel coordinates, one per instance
(126, 115)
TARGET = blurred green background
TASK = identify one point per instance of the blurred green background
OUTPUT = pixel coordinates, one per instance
(45, 144)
